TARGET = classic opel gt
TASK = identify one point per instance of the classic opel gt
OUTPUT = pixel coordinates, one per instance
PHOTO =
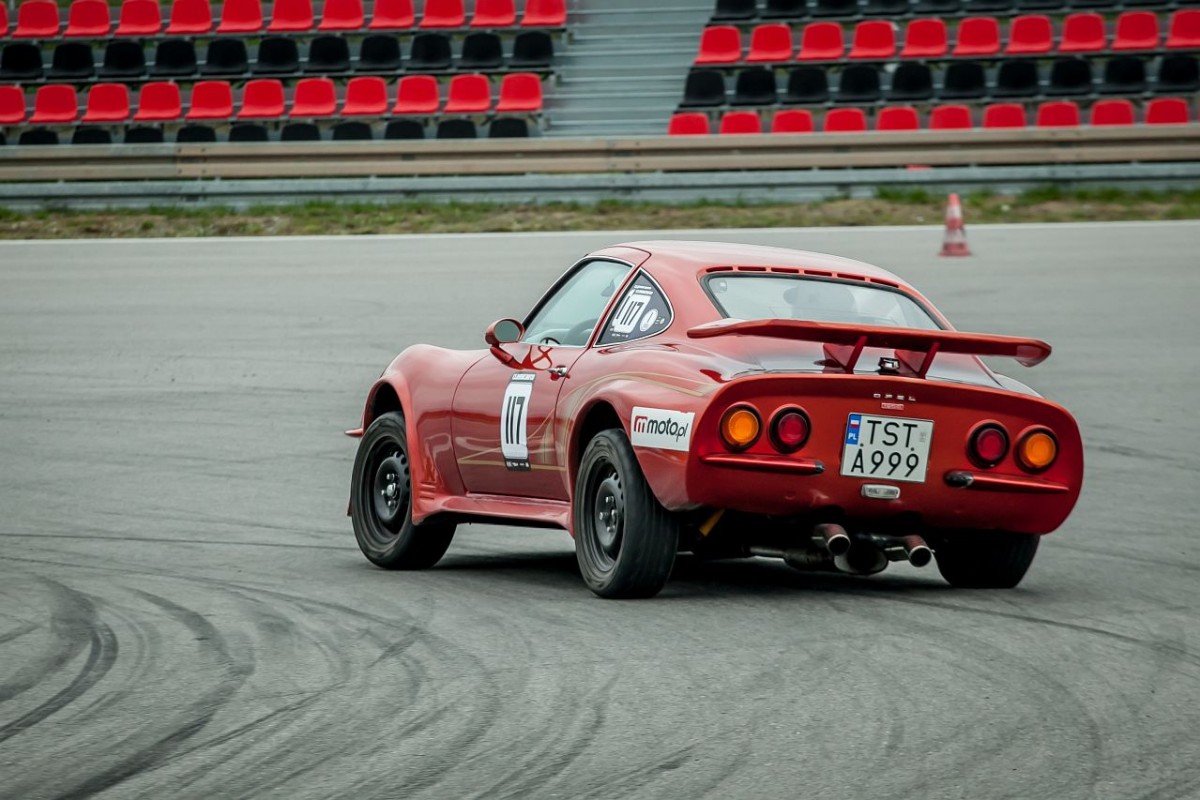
(729, 401)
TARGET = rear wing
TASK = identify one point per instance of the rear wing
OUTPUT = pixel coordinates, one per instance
(915, 348)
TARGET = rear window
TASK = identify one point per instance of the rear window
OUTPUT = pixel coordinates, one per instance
(758, 296)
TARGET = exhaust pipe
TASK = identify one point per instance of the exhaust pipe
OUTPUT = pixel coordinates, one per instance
(918, 553)
(796, 559)
(833, 538)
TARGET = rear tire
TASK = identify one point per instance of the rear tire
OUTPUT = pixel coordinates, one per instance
(625, 541)
(381, 502)
(986, 559)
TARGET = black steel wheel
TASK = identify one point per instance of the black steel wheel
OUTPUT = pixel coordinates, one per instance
(381, 502)
(985, 559)
(625, 541)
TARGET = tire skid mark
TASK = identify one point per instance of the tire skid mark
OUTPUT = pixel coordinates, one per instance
(78, 615)
(17, 633)
(160, 540)
(197, 715)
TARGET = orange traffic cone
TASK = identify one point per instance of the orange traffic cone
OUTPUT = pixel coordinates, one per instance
(955, 241)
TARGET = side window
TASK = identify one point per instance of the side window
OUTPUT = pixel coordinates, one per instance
(642, 312)
(569, 315)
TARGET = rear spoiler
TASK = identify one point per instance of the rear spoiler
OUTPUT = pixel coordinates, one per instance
(915, 348)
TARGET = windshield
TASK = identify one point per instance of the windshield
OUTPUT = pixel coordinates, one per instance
(742, 296)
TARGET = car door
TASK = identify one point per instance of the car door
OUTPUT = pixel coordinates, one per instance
(503, 424)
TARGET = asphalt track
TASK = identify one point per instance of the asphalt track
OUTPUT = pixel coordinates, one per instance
(184, 613)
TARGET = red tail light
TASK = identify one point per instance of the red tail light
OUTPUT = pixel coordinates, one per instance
(790, 429)
(988, 444)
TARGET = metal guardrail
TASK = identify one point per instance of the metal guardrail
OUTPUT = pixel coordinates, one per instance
(549, 156)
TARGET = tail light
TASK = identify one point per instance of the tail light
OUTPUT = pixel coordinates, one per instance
(740, 427)
(790, 429)
(988, 444)
(1037, 450)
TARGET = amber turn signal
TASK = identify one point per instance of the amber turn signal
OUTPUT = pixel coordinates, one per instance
(740, 427)
(1037, 450)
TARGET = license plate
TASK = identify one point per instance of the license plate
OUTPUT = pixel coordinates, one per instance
(893, 448)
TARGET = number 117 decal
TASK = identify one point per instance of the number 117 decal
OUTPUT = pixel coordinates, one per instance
(514, 421)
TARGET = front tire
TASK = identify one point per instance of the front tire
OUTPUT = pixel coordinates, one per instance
(381, 502)
(625, 541)
(986, 559)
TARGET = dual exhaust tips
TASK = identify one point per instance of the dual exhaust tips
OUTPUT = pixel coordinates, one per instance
(864, 554)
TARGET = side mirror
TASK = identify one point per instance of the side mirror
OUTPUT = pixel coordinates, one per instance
(504, 331)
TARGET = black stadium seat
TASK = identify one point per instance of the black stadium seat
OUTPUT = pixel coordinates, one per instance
(755, 87)
(430, 51)
(784, 9)
(142, 135)
(246, 132)
(481, 50)
(1070, 76)
(457, 129)
(352, 131)
(1094, 3)
(1016, 79)
(174, 58)
(1040, 5)
(735, 9)
(72, 61)
(404, 129)
(300, 132)
(508, 128)
(891, 8)
(704, 87)
(123, 59)
(964, 80)
(986, 6)
(1124, 75)
(90, 135)
(328, 55)
(38, 136)
(806, 85)
(532, 50)
(859, 83)
(912, 80)
(226, 57)
(835, 8)
(936, 6)
(1177, 73)
(21, 61)
(277, 55)
(379, 53)
(196, 134)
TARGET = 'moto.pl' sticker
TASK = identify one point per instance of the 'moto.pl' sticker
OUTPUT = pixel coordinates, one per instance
(661, 428)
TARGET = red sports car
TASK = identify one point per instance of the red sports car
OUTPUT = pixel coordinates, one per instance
(726, 400)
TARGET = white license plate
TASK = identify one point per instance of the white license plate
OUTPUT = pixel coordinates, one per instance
(892, 448)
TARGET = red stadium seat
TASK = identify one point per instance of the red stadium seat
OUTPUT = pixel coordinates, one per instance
(37, 19)
(978, 36)
(469, 94)
(1083, 33)
(545, 14)
(139, 18)
(314, 97)
(874, 39)
(190, 16)
(159, 102)
(520, 91)
(291, 15)
(241, 16)
(1030, 33)
(88, 18)
(897, 118)
(1167, 111)
(55, 103)
(342, 15)
(262, 98)
(418, 94)
(740, 122)
(12, 105)
(444, 14)
(691, 123)
(1058, 114)
(211, 100)
(392, 15)
(3, 19)
(107, 102)
(822, 41)
(771, 43)
(948, 118)
(796, 120)
(1185, 29)
(365, 97)
(1136, 30)
(720, 44)
(1004, 115)
(845, 120)
(925, 38)
(1111, 112)
(494, 14)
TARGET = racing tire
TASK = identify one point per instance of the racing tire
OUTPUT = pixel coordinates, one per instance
(381, 502)
(986, 559)
(625, 541)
